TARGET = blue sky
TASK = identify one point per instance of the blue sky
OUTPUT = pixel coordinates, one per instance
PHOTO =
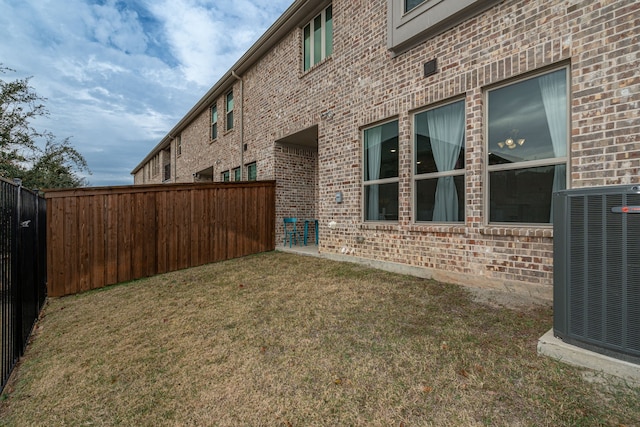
(118, 75)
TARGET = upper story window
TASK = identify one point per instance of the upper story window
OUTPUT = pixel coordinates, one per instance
(318, 38)
(439, 163)
(381, 179)
(229, 105)
(155, 165)
(214, 122)
(252, 171)
(528, 138)
(410, 4)
(179, 145)
(411, 22)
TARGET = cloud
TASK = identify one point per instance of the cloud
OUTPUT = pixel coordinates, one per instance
(113, 25)
(118, 74)
(208, 37)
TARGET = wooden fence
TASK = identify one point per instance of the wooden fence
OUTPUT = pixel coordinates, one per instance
(101, 236)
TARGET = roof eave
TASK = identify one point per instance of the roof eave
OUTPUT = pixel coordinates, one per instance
(294, 16)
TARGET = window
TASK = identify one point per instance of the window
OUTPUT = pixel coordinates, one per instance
(527, 153)
(237, 175)
(252, 171)
(155, 166)
(230, 110)
(410, 4)
(381, 172)
(214, 122)
(167, 172)
(179, 145)
(439, 163)
(225, 176)
(318, 38)
(411, 22)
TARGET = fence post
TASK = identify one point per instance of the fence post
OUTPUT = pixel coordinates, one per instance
(41, 257)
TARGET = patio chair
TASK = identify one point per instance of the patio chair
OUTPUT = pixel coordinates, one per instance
(290, 232)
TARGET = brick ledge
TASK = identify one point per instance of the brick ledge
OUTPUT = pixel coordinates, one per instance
(517, 231)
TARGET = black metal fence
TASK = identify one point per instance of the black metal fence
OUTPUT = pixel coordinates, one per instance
(23, 271)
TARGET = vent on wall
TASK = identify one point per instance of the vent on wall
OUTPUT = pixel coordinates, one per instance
(597, 269)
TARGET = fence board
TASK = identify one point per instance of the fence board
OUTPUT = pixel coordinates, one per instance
(103, 236)
(97, 242)
(138, 240)
(162, 242)
(111, 224)
(83, 247)
(150, 250)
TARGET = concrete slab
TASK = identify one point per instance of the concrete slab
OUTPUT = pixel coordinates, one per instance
(549, 345)
(309, 250)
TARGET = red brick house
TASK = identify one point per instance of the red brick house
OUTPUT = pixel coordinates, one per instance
(424, 134)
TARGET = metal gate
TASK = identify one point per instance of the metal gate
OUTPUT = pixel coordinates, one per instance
(23, 272)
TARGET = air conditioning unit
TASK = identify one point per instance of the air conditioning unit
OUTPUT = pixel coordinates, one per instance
(596, 262)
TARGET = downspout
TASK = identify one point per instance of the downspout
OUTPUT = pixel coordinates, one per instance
(175, 159)
(237, 77)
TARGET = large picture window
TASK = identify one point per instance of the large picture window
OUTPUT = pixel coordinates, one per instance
(527, 153)
(380, 172)
(318, 38)
(439, 163)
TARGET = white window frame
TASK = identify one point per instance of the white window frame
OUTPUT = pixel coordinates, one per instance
(526, 164)
(366, 183)
(323, 39)
(214, 122)
(229, 111)
(434, 175)
(155, 166)
(248, 166)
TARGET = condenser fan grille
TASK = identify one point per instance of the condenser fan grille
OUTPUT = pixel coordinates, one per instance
(597, 269)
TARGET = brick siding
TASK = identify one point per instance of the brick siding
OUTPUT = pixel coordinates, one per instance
(362, 84)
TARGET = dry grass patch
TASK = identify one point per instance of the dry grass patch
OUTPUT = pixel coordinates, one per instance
(283, 340)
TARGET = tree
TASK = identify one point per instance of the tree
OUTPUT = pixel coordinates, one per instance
(54, 166)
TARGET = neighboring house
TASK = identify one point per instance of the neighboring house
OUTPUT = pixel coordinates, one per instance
(444, 126)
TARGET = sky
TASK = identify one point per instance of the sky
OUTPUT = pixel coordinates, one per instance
(118, 75)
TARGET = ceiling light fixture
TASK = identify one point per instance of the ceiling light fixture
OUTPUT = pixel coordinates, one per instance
(512, 141)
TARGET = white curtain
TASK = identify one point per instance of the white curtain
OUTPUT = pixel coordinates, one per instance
(446, 131)
(553, 88)
(374, 156)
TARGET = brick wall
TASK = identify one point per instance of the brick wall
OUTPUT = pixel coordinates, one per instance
(361, 85)
(296, 177)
